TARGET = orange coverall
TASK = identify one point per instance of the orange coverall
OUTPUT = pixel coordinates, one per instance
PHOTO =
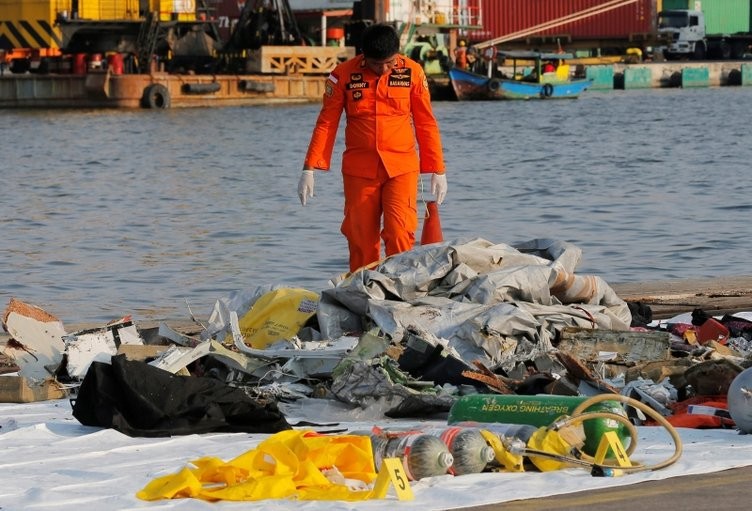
(460, 57)
(380, 165)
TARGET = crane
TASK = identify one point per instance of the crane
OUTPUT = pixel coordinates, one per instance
(264, 22)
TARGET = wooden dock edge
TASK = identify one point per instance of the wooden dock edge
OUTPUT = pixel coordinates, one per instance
(716, 295)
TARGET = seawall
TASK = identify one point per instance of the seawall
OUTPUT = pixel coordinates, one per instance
(668, 74)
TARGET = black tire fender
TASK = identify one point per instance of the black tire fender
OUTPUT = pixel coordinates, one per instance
(494, 84)
(201, 88)
(547, 90)
(156, 96)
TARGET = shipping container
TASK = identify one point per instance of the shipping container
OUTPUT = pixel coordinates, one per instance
(721, 16)
(568, 21)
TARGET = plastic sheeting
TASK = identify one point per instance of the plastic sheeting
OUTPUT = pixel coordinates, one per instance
(491, 302)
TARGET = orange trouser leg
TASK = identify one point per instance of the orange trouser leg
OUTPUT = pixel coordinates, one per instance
(362, 220)
(365, 202)
(399, 197)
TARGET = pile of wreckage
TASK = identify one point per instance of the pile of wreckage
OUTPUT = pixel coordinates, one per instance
(405, 338)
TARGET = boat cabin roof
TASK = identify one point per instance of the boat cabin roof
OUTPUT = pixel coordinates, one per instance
(533, 55)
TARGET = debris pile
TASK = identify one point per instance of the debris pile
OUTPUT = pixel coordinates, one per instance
(407, 338)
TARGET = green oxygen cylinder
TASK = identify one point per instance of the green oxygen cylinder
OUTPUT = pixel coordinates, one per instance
(595, 428)
(538, 410)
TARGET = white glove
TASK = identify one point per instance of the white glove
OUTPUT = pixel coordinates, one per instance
(439, 187)
(305, 186)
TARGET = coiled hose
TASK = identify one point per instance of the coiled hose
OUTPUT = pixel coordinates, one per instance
(579, 416)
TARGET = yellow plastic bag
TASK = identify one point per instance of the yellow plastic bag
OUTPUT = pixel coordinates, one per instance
(276, 315)
(511, 462)
(550, 441)
(289, 464)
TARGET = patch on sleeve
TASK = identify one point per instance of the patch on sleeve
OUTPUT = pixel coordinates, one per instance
(425, 83)
(333, 78)
(328, 89)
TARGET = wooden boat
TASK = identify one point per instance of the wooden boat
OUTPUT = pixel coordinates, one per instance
(527, 79)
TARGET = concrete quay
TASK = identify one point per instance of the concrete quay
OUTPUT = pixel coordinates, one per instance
(668, 74)
(646, 75)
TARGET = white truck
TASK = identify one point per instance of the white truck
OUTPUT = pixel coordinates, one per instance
(686, 38)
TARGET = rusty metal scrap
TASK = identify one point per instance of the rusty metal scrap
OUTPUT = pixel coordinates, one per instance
(577, 370)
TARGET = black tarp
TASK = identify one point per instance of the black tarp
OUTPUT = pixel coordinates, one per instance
(138, 399)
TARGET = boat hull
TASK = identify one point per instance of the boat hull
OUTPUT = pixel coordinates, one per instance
(471, 86)
(156, 90)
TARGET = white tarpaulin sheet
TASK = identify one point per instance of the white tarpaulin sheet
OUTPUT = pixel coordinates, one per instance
(51, 462)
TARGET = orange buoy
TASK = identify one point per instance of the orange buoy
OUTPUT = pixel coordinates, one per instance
(336, 33)
(431, 225)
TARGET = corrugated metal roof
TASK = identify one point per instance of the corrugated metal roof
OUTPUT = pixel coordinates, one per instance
(317, 5)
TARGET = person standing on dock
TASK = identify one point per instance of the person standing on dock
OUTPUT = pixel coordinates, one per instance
(387, 105)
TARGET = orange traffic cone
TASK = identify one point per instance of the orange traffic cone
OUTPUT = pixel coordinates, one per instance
(431, 225)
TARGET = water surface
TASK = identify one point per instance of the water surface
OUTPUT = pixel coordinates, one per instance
(107, 213)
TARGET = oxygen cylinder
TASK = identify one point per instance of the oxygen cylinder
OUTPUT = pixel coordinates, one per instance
(422, 455)
(514, 437)
(469, 449)
(507, 432)
(739, 400)
(538, 410)
(378, 445)
(595, 428)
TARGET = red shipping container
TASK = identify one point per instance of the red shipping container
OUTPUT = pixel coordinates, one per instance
(504, 17)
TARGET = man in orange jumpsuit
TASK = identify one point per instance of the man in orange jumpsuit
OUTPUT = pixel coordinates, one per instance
(388, 107)
(460, 55)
